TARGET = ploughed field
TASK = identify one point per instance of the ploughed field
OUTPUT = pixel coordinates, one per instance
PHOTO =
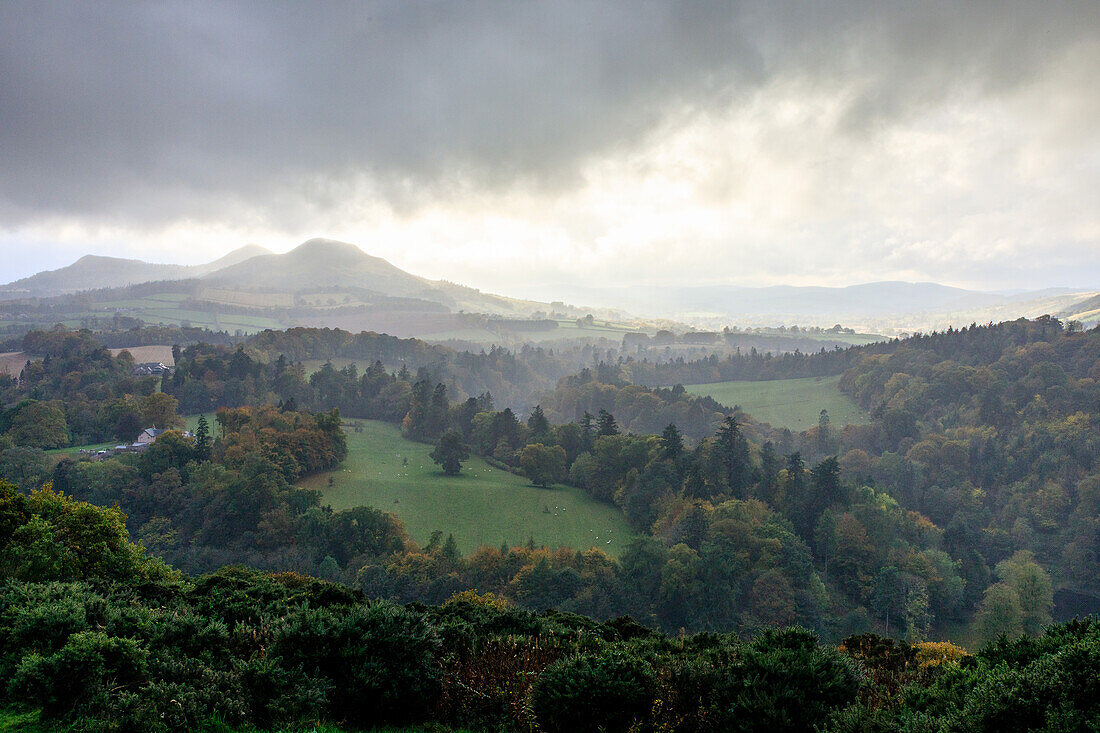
(482, 506)
(787, 403)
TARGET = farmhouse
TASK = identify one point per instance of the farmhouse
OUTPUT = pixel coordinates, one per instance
(151, 369)
(150, 435)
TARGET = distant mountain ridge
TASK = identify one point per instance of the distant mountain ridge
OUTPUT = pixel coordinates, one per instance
(317, 268)
(875, 304)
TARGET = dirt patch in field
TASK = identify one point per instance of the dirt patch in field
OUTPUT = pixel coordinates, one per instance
(149, 354)
(12, 363)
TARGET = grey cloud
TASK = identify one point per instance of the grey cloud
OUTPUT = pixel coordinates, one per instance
(148, 112)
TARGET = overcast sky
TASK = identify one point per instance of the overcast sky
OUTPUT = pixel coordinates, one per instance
(513, 144)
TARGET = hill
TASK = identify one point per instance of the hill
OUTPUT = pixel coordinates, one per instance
(321, 283)
(95, 272)
(1086, 311)
(320, 262)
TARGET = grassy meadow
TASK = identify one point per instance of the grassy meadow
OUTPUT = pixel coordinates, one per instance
(787, 403)
(483, 506)
(74, 449)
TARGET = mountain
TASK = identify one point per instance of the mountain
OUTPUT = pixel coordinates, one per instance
(94, 272)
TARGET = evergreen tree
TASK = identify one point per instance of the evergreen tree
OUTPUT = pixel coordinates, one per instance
(734, 454)
(587, 434)
(438, 413)
(538, 423)
(450, 548)
(672, 443)
(605, 424)
(415, 424)
(202, 439)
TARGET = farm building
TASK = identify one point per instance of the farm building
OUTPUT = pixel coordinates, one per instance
(150, 435)
(151, 369)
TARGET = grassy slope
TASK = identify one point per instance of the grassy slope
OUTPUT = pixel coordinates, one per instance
(168, 308)
(483, 506)
(790, 403)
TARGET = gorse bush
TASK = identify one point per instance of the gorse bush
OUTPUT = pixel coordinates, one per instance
(381, 660)
(88, 668)
(611, 691)
(790, 682)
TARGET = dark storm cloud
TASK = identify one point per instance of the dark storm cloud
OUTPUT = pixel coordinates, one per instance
(148, 112)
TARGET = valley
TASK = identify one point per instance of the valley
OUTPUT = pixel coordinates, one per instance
(549, 367)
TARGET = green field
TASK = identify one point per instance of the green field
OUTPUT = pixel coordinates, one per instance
(193, 422)
(74, 449)
(787, 403)
(167, 308)
(483, 506)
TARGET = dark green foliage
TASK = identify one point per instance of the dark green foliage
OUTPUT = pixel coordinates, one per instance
(538, 424)
(76, 394)
(50, 537)
(381, 661)
(37, 424)
(610, 691)
(90, 666)
(672, 443)
(202, 439)
(143, 653)
(605, 424)
(791, 683)
(451, 452)
(544, 465)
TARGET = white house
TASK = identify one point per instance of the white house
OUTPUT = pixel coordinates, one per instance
(150, 435)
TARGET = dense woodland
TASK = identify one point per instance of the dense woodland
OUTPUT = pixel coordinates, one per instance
(970, 498)
(97, 635)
